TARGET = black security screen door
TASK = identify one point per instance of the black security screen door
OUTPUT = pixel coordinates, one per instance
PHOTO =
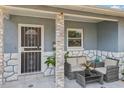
(30, 49)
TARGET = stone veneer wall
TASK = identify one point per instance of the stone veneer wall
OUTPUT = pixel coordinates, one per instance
(10, 66)
(59, 51)
(91, 55)
(1, 46)
(115, 55)
(11, 61)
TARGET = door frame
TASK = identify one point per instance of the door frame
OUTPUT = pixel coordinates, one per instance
(19, 46)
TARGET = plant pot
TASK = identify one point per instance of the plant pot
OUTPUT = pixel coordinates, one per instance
(50, 71)
(122, 78)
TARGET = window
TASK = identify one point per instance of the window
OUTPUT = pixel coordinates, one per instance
(74, 39)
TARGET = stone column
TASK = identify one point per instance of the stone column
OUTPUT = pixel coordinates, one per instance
(1, 46)
(59, 50)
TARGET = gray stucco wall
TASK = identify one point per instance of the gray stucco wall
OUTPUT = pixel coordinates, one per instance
(10, 36)
(89, 31)
(11, 32)
(107, 36)
(121, 35)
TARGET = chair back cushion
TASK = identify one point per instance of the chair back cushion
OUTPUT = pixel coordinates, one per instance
(81, 60)
(76, 62)
(101, 70)
(110, 62)
(77, 68)
(72, 61)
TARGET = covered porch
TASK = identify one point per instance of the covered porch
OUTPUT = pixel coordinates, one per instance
(99, 35)
(39, 81)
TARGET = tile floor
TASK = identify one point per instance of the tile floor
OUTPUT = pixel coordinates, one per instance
(40, 81)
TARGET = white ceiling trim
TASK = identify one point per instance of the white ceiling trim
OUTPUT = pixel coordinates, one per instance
(91, 17)
(93, 9)
(48, 14)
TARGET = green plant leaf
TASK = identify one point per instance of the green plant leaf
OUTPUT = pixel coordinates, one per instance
(50, 61)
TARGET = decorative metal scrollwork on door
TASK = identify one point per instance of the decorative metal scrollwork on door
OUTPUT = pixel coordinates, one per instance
(31, 54)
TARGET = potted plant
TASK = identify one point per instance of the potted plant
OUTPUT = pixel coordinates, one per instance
(66, 56)
(87, 66)
(50, 61)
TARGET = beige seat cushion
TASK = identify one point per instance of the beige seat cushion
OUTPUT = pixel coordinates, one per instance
(77, 68)
(91, 68)
(101, 70)
(81, 60)
(110, 62)
(72, 61)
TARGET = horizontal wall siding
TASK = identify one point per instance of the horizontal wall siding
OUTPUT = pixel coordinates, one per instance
(107, 36)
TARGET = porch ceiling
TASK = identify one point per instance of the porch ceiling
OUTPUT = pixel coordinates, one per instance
(93, 9)
(13, 10)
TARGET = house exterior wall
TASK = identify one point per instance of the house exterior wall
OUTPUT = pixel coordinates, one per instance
(109, 39)
(11, 32)
(11, 37)
(89, 33)
(107, 36)
(11, 55)
(121, 35)
(1, 46)
(91, 36)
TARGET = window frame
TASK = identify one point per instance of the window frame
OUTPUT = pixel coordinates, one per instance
(75, 48)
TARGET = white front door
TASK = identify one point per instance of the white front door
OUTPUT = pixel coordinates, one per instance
(30, 47)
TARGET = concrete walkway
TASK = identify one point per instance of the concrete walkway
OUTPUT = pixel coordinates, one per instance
(73, 84)
(40, 81)
(31, 81)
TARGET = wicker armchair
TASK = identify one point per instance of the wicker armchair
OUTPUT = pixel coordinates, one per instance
(109, 68)
(73, 66)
